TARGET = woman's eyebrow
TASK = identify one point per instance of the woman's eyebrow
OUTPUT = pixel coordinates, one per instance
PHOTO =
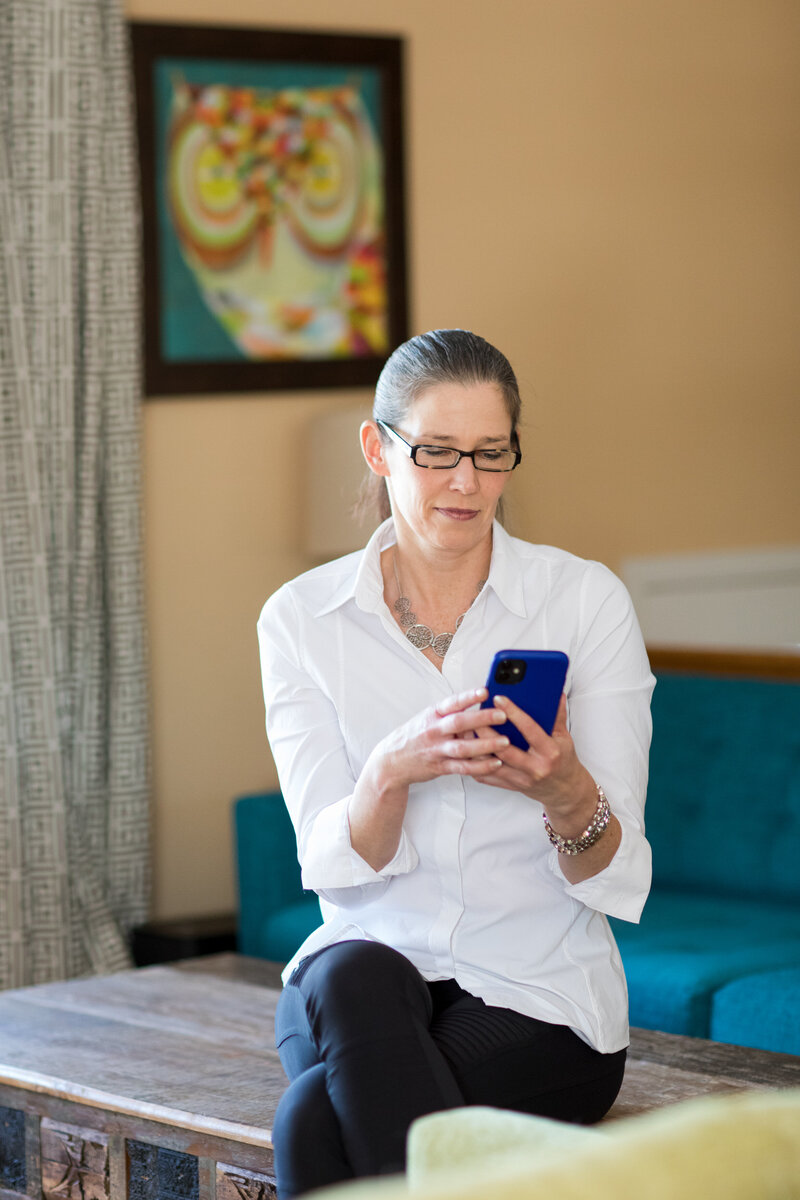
(446, 437)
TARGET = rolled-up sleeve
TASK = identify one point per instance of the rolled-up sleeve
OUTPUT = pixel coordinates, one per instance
(610, 723)
(314, 771)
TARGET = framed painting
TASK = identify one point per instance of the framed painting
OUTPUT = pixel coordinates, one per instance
(273, 207)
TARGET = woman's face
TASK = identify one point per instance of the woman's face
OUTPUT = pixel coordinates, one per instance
(450, 510)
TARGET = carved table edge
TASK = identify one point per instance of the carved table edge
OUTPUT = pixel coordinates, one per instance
(32, 1081)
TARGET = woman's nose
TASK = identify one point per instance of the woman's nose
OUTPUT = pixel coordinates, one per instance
(464, 477)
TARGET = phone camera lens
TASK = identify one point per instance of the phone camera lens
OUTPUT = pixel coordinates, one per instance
(510, 670)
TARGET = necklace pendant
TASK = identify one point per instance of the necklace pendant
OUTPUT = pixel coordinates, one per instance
(441, 644)
(420, 636)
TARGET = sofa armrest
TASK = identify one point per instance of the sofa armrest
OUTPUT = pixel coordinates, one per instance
(267, 870)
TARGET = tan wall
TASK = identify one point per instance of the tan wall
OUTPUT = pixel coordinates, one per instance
(608, 190)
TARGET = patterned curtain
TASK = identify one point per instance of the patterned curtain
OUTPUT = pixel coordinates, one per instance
(74, 853)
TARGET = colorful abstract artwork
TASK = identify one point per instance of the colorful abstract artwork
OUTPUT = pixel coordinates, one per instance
(272, 181)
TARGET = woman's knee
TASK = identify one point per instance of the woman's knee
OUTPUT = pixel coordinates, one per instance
(306, 1137)
(302, 1106)
(358, 981)
(345, 961)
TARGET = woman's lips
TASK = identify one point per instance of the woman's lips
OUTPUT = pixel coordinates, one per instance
(459, 514)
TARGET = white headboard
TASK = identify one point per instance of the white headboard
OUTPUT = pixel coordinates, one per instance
(744, 598)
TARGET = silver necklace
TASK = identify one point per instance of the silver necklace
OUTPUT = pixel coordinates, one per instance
(422, 636)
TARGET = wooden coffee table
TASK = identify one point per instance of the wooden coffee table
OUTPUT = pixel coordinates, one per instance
(149, 1084)
(162, 1083)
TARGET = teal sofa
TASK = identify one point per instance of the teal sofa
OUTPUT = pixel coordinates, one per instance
(717, 952)
(275, 915)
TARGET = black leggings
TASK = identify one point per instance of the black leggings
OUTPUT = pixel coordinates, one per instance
(369, 1046)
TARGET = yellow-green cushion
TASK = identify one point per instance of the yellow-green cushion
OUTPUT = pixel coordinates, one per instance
(739, 1147)
(467, 1138)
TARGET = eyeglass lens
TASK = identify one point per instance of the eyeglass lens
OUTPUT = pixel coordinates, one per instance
(484, 460)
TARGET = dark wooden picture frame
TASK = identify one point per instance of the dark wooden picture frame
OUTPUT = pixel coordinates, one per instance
(362, 316)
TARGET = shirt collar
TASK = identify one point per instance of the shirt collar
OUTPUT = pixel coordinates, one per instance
(368, 583)
(362, 579)
(506, 572)
(358, 576)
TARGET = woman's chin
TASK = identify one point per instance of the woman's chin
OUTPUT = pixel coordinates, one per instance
(459, 534)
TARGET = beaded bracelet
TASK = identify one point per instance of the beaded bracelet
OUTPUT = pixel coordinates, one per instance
(591, 834)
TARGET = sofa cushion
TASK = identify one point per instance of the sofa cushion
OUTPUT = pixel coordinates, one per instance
(723, 804)
(760, 1010)
(686, 947)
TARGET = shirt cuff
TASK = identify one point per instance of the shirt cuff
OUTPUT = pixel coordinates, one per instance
(621, 888)
(329, 860)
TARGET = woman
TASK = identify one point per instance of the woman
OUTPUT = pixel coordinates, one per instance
(464, 958)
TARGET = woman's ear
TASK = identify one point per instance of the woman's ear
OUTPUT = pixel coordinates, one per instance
(373, 448)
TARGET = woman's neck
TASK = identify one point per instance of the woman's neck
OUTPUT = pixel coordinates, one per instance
(435, 580)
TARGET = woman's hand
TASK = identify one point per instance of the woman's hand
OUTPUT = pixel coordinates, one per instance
(455, 737)
(548, 771)
(452, 738)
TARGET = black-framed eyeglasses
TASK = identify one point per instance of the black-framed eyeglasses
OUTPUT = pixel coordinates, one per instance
(444, 458)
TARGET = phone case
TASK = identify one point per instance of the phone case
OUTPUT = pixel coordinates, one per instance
(536, 688)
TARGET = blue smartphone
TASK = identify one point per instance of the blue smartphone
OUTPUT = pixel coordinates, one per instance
(534, 680)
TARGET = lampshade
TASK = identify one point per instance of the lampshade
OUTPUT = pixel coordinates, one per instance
(336, 469)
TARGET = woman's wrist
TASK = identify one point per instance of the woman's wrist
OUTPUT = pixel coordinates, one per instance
(579, 843)
(382, 780)
(570, 819)
(376, 812)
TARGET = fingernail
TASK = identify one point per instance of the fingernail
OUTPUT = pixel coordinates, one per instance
(501, 700)
(503, 741)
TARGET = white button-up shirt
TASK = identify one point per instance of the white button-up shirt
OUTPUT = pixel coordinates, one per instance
(475, 891)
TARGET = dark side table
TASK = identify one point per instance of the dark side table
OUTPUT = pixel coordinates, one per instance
(178, 938)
